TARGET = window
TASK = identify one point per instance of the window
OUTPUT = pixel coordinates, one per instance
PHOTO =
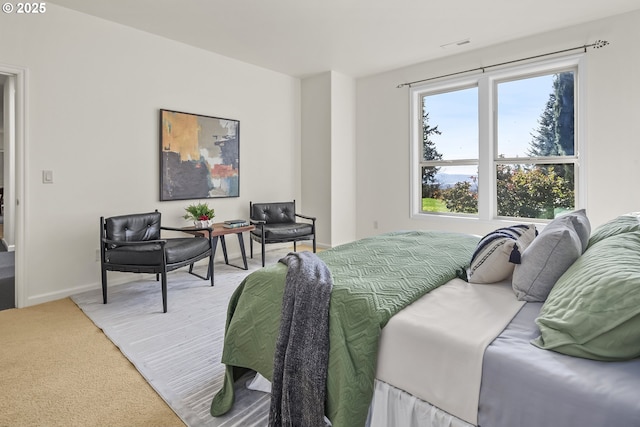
(499, 145)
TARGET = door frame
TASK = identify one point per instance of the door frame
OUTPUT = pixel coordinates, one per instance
(16, 201)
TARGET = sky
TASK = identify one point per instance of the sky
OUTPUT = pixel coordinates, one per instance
(520, 104)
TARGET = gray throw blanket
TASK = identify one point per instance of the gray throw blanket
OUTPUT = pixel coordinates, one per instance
(302, 350)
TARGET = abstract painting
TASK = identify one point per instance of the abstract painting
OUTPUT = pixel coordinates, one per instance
(199, 156)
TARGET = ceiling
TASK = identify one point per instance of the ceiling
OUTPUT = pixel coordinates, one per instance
(352, 37)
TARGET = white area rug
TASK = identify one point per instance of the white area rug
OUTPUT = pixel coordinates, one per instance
(179, 352)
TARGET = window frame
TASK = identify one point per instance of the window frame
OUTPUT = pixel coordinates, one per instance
(487, 161)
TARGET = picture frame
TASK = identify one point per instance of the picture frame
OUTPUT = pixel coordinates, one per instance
(199, 156)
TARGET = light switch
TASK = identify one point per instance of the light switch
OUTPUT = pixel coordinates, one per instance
(47, 177)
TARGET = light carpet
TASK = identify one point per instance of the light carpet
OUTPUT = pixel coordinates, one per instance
(179, 352)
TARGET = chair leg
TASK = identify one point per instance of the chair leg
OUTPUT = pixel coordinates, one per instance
(164, 291)
(314, 244)
(294, 247)
(263, 253)
(104, 286)
(211, 267)
(251, 246)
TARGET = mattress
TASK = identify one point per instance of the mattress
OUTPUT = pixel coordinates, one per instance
(433, 349)
(525, 386)
(521, 384)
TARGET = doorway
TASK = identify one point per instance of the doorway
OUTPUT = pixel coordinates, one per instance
(12, 127)
(7, 258)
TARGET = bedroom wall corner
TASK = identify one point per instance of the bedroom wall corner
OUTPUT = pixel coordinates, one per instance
(328, 155)
(343, 159)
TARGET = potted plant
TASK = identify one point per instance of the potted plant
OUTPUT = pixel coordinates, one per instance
(200, 213)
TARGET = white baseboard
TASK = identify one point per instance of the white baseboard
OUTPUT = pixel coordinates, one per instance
(123, 278)
(116, 281)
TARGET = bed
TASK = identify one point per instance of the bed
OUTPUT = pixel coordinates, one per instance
(447, 329)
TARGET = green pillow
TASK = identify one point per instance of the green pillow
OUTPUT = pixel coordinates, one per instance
(593, 311)
(622, 224)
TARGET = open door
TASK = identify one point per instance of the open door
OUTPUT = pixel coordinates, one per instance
(7, 150)
(13, 126)
(8, 162)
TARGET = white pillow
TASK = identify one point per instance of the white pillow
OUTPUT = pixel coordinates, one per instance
(498, 252)
(558, 246)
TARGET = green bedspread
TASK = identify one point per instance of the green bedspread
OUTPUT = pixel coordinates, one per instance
(374, 278)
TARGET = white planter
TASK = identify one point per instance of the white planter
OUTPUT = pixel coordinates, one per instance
(203, 224)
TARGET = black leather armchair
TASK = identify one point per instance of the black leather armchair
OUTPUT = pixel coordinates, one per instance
(277, 223)
(132, 243)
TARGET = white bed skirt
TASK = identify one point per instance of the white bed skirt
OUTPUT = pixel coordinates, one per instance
(393, 407)
(390, 406)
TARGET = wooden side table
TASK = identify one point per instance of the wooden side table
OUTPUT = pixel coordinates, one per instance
(219, 231)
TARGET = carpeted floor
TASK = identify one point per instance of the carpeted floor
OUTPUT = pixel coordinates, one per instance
(179, 352)
(58, 369)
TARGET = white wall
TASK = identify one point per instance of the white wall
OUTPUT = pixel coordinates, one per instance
(612, 126)
(328, 156)
(316, 153)
(94, 91)
(343, 159)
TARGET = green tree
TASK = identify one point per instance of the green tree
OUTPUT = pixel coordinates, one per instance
(564, 113)
(544, 139)
(461, 197)
(534, 192)
(555, 133)
(430, 186)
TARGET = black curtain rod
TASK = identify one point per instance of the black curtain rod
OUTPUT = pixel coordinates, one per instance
(596, 45)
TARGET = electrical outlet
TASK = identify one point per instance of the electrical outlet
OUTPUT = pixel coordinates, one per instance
(97, 255)
(375, 225)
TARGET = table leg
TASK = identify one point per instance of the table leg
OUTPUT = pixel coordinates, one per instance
(224, 249)
(214, 245)
(242, 251)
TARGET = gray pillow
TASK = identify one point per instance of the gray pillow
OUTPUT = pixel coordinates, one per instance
(547, 258)
(582, 226)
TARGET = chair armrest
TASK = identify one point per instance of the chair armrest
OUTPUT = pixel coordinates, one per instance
(259, 223)
(188, 230)
(161, 242)
(312, 218)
